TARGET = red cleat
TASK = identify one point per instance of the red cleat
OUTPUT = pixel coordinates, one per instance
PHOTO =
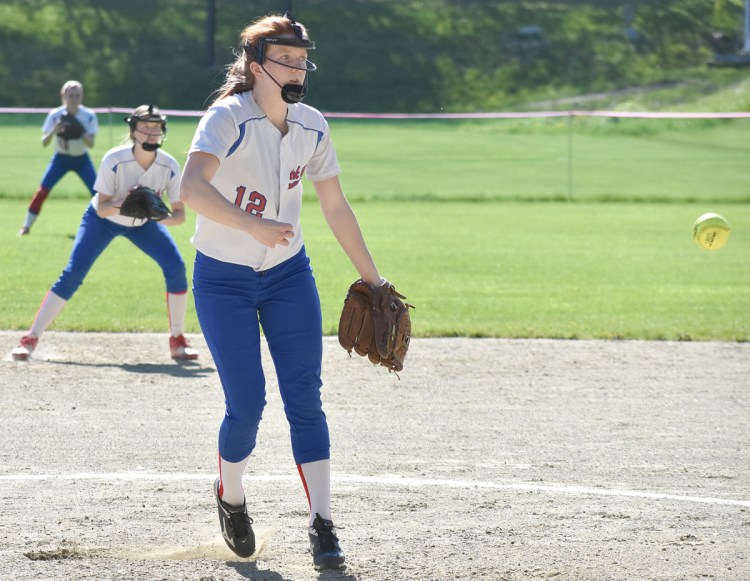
(181, 349)
(25, 348)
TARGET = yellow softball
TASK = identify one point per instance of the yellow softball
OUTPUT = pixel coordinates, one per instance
(710, 231)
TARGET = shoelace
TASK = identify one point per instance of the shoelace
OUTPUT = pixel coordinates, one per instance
(241, 521)
(326, 536)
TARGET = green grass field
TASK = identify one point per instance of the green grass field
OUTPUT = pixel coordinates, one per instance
(472, 221)
(515, 269)
(583, 159)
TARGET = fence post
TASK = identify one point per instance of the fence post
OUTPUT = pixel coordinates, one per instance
(570, 155)
(111, 128)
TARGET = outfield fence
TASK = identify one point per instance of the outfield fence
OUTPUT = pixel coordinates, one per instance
(476, 115)
(545, 155)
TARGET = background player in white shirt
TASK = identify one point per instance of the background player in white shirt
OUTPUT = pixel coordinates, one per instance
(140, 162)
(70, 154)
(242, 177)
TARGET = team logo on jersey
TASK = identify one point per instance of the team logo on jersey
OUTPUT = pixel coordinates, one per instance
(295, 176)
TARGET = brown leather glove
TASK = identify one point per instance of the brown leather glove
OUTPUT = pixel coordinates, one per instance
(375, 323)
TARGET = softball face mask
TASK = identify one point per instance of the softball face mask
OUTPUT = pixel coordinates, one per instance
(148, 113)
(290, 92)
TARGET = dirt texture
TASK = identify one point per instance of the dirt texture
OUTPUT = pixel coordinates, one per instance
(488, 459)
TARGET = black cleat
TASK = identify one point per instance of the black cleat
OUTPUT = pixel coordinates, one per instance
(236, 526)
(324, 545)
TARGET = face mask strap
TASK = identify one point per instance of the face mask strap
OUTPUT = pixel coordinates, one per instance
(291, 92)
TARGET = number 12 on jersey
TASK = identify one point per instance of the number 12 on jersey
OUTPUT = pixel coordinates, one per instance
(254, 202)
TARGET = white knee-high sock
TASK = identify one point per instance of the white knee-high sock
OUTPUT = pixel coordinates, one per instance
(48, 311)
(176, 308)
(231, 490)
(30, 219)
(316, 478)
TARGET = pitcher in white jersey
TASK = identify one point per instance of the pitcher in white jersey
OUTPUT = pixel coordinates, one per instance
(139, 162)
(243, 179)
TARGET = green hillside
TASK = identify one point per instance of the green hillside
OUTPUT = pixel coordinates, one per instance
(393, 55)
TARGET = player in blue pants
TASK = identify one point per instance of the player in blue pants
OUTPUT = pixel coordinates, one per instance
(70, 154)
(140, 162)
(243, 178)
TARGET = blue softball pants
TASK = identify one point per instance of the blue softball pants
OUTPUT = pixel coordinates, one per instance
(233, 302)
(60, 164)
(95, 234)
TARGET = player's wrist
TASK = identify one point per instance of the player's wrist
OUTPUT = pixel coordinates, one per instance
(251, 224)
(375, 282)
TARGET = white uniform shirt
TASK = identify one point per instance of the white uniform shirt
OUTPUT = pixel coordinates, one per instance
(72, 147)
(260, 171)
(119, 172)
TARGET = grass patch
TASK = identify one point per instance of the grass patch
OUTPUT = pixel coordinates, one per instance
(582, 160)
(485, 269)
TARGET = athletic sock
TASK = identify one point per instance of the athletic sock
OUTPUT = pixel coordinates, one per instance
(48, 311)
(30, 219)
(176, 307)
(316, 478)
(36, 202)
(231, 490)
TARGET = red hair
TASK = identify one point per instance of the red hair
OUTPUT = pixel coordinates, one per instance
(239, 77)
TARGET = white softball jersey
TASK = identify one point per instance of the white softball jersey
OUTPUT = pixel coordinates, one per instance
(119, 172)
(260, 171)
(72, 147)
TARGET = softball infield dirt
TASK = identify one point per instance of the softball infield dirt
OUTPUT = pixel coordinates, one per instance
(489, 459)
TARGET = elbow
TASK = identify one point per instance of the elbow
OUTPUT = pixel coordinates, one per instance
(177, 218)
(187, 192)
(184, 193)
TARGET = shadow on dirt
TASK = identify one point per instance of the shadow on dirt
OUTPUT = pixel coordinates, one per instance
(250, 570)
(177, 369)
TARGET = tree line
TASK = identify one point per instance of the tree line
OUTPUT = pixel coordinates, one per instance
(372, 55)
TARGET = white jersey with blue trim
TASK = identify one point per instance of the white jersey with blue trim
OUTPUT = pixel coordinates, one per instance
(72, 147)
(119, 172)
(260, 171)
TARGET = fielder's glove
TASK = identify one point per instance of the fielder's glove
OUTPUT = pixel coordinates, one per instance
(143, 203)
(375, 323)
(71, 127)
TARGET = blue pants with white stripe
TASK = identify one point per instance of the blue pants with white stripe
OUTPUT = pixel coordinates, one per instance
(233, 302)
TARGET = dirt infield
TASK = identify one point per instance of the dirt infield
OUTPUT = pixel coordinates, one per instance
(488, 459)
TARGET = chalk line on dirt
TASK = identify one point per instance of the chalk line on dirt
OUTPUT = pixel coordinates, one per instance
(396, 481)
